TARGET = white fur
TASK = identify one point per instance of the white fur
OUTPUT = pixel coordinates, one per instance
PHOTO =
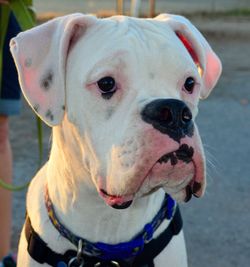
(104, 144)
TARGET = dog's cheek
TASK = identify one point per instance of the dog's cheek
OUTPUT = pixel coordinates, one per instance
(180, 196)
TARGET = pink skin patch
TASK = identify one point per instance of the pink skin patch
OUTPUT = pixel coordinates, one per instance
(213, 69)
(34, 94)
(173, 176)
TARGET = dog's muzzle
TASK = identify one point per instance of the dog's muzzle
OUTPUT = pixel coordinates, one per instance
(169, 116)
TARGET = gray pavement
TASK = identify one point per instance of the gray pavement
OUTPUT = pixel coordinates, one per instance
(217, 227)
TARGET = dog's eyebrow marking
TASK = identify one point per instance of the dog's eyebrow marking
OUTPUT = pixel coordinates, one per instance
(49, 115)
(47, 80)
(28, 62)
(151, 75)
(109, 113)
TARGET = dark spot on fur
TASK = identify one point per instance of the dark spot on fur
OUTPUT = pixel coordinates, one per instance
(151, 75)
(188, 193)
(49, 115)
(47, 81)
(173, 159)
(185, 153)
(63, 107)
(196, 188)
(36, 108)
(107, 96)
(164, 159)
(109, 113)
(28, 62)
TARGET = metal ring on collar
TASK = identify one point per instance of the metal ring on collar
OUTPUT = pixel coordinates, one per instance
(78, 260)
(74, 261)
(79, 251)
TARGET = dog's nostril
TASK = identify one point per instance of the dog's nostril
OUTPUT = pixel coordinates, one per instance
(186, 115)
(166, 115)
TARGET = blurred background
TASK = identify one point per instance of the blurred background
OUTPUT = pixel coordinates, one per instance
(217, 227)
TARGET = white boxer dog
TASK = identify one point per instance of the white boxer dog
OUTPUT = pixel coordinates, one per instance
(121, 95)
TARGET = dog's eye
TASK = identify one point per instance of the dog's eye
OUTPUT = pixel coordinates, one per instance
(189, 85)
(107, 86)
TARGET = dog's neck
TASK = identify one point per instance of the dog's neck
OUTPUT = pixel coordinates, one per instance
(80, 208)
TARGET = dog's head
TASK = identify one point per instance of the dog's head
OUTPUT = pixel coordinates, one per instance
(124, 93)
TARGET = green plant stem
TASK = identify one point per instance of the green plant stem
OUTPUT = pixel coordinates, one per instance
(4, 20)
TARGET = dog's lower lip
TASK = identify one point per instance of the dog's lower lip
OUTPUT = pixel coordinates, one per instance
(116, 201)
(106, 193)
(123, 205)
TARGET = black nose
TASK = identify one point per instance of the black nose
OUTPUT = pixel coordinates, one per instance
(169, 116)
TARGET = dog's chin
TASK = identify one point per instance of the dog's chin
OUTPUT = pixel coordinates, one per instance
(175, 172)
(116, 202)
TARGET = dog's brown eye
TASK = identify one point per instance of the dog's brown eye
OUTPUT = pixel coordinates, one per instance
(189, 85)
(107, 85)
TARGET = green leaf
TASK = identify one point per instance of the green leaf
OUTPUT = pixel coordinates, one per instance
(22, 14)
(28, 2)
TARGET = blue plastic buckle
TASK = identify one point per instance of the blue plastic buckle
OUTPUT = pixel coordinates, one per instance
(170, 207)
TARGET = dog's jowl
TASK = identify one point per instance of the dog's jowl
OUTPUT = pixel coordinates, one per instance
(121, 96)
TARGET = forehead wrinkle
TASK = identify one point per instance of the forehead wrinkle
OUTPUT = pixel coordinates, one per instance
(147, 36)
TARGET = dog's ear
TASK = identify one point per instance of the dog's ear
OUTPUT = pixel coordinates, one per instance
(40, 55)
(206, 60)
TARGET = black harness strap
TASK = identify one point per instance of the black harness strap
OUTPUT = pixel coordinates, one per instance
(156, 246)
(41, 253)
(38, 249)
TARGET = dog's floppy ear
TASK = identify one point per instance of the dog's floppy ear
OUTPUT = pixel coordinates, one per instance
(40, 55)
(206, 60)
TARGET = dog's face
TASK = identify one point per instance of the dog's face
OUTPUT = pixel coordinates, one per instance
(129, 102)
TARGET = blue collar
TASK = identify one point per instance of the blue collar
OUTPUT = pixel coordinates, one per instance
(120, 251)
